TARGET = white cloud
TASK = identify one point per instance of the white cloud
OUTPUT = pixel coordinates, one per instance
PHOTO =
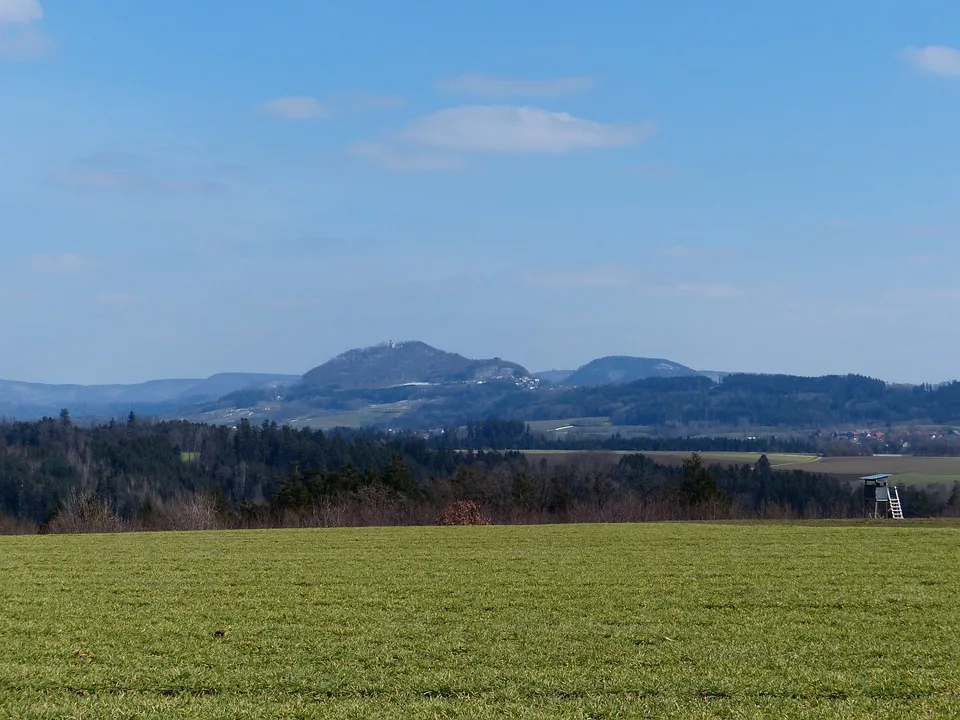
(309, 108)
(58, 264)
(491, 86)
(20, 12)
(391, 159)
(17, 41)
(935, 59)
(295, 108)
(508, 129)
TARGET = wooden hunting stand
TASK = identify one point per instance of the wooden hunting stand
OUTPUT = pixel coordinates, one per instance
(882, 499)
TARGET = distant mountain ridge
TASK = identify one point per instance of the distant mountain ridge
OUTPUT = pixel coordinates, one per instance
(411, 385)
(623, 369)
(393, 364)
(24, 399)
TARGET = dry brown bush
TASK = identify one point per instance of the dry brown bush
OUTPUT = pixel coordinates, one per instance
(85, 513)
(463, 512)
(194, 512)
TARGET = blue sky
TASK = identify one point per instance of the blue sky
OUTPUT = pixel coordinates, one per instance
(204, 186)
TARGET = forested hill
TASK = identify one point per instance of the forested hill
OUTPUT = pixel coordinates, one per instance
(391, 364)
(621, 369)
(742, 400)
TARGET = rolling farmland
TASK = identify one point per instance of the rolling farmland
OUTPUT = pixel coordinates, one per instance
(681, 620)
(908, 469)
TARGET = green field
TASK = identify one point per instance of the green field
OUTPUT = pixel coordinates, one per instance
(584, 427)
(674, 620)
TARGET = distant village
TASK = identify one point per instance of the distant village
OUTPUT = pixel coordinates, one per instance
(903, 440)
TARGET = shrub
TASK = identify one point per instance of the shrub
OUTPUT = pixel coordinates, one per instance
(85, 513)
(463, 512)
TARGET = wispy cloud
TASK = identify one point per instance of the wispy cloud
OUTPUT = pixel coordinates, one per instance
(366, 101)
(20, 12)
(80, 178)
(297, 246)
(306, 107)
(19, 37)
(113, 160)
(492, 86)
(934, 59)
(611, 276)
(389, 158)
(59, 264)
(295, 108)
(655, 171)
(117, 299)
(508, 129)
(89, 179)
(121, 171)
(580, 277)
(303, 303)
(925, 259)
(840, 224)
(694, 291)
(686, 252)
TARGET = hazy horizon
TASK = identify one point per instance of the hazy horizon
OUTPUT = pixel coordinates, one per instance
(194, 188)
(534, 369)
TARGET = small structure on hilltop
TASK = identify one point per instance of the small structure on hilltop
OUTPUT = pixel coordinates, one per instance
(883, 500)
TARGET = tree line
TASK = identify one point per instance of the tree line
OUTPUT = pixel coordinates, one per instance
(178, 475)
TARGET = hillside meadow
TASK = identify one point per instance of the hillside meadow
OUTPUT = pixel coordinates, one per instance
(582, 621)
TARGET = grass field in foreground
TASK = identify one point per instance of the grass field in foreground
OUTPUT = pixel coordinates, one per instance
(677, 620)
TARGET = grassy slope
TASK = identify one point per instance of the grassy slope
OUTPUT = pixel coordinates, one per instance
(577, 621)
